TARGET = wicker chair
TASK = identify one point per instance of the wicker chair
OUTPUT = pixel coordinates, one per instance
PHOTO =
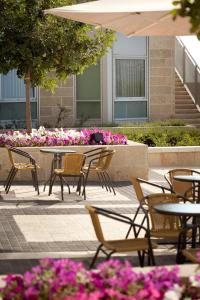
(186, 189)
(21, 166)
(163, 227)
(138, 182)
(142, 245)
(100, 165)
(191, 254)
(73, 165)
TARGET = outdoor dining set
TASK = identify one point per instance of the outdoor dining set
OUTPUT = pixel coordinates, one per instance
(171, 216)
(66, 163)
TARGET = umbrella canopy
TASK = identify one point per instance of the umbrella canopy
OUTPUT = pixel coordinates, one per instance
(130, 17)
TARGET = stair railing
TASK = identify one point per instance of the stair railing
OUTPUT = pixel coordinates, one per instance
(188, 70)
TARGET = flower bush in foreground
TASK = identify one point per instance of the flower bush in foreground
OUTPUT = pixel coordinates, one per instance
(112, 280)
(58, 137)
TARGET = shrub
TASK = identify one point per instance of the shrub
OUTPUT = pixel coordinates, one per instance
(162, 137)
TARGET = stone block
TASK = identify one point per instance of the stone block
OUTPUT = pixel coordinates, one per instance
(131, 159)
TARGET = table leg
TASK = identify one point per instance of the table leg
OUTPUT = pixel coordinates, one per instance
(56, 163)
(182, 241)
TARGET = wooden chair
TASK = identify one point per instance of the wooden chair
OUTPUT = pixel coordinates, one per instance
(21, 166)
(100, 165)
(142, 245)
(73, 167)
(185, 189)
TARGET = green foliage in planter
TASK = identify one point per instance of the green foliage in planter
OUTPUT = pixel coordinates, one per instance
(170, 122)
(162, 137)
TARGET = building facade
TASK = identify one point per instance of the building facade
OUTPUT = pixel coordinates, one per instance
(133, 82)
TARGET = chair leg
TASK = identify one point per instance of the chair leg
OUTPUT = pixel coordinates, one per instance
(61, 185)
(36, 182)
(151, 258)
(85, 182)
(84, 191)
(95, 256)
(103, 180)
(106, 181)
(141, 258)
(33, 179)
(100, 180)
(11, 180)
(8, 178)
(51, 183)
(110, 182)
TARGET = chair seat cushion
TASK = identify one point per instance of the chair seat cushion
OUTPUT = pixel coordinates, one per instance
(129, 245)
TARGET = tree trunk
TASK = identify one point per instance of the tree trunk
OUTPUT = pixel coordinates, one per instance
(28, 102)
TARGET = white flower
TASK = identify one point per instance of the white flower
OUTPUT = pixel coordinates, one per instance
(195, 282)
(174, 294)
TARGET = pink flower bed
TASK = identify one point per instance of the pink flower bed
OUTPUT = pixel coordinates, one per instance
(58, 137)
(65, 279)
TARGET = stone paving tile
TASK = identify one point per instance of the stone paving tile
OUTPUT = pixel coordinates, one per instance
(22, 206)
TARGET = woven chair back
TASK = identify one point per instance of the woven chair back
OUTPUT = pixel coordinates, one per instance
(96, 223)
(161, 222)
(105, 159)
(180, 187)
(73, 163)
(137, 187)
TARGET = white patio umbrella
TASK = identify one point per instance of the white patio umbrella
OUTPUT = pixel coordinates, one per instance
(131, 17)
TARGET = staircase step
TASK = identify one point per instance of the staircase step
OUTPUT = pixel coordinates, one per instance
(185, 106)
(189, 116)
(181, 92)
(186, 111)
(183, 97)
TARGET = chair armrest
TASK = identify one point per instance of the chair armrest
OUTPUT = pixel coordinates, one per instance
(22, 153)
(121, 218)
(163, 188)
(93, 150)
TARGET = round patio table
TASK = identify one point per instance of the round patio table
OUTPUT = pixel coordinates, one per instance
(194, 179)
(184, 211)
(57, 159)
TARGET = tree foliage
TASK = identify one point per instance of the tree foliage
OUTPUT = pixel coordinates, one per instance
(36, 44)
(191, 9)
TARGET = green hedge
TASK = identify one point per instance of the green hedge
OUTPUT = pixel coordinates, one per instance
(162, 137)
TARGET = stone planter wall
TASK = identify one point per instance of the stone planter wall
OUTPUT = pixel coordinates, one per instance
(174, 156)
(131, 159)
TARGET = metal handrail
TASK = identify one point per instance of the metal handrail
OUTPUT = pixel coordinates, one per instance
(188, 70)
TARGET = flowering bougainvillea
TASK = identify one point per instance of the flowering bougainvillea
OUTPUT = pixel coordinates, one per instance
(68, 280)
(65, 279)
(58, 137)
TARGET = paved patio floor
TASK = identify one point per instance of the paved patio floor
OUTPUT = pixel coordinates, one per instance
(32, 227)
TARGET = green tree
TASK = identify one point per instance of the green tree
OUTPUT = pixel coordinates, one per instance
(191, 9)
(36, 44)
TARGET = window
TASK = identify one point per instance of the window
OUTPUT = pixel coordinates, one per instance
(88, 94)
(12, 101)
(130, 89)
(13, 88)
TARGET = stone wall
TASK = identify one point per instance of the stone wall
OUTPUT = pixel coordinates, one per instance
(187, 156)
(63, 96)
(128, 160)
(161, 78)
